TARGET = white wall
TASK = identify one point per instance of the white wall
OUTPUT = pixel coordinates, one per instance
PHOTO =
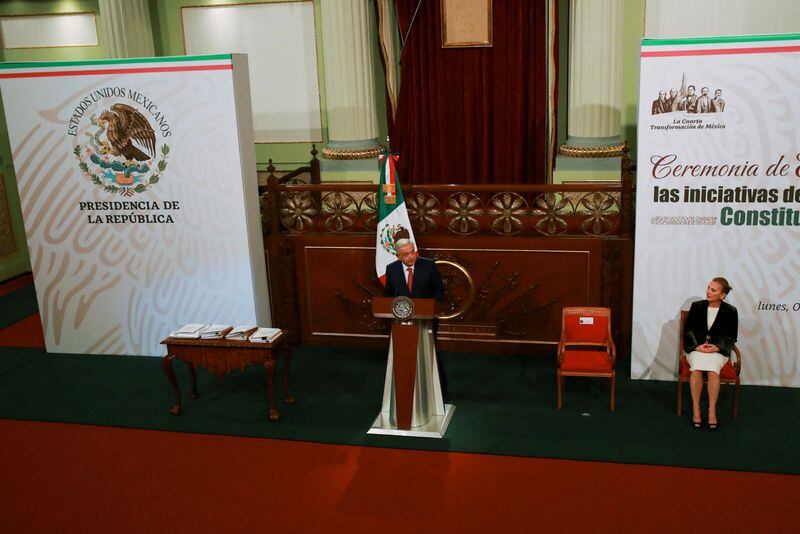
(666, 19)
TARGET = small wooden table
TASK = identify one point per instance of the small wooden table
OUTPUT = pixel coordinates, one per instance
(220, 356)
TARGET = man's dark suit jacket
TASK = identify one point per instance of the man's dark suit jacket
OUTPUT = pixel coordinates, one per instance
(427, 282)
(723, 332)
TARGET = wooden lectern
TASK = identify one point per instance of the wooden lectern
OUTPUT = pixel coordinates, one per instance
(412, 396)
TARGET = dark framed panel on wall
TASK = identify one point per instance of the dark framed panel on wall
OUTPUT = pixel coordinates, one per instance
(466, 23)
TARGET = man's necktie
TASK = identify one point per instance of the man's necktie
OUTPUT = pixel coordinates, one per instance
(410, 280)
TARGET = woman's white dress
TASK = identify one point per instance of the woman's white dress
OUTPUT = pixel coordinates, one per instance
(707, 361)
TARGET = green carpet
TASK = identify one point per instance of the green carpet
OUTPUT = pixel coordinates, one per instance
(505, 405)
(17, 305)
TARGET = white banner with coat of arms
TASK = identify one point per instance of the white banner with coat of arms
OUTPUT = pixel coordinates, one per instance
(718, 194)
(138, 188)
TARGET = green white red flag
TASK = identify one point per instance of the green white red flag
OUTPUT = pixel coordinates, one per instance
(392, 215)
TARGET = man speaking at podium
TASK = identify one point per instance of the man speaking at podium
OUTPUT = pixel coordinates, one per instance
(416, 277)
(412, 275)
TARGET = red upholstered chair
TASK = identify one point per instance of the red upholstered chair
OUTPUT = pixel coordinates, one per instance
(586, 347)
(728, 375)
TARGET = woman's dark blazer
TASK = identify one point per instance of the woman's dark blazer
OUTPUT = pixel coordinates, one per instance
(723, 333)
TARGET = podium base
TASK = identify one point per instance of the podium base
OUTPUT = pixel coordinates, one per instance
(435, 428)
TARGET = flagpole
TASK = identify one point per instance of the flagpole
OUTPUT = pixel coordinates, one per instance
(392, 214)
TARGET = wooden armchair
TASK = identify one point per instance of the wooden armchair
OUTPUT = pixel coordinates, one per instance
(586, 347)
(729, 374)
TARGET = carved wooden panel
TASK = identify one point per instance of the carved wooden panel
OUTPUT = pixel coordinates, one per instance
(337, 283)
(520, 292)
(305, 209)
(530, 250)
(520, 288)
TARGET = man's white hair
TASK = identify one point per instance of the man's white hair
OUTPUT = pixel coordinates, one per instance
(400, 243)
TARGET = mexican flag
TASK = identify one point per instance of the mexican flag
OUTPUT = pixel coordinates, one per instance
(392, 215)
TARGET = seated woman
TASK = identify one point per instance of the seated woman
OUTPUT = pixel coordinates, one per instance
(709, 335)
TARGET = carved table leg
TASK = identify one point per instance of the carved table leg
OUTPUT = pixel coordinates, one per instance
(193, 373)
(269, 365)
(166, 363)
(287, 363)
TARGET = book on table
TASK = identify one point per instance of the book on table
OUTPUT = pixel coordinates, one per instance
(215, 331)
(240, 332)
(189, 331)
(265, 335)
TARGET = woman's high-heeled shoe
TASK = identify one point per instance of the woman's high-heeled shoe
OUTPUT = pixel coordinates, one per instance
(696, 424)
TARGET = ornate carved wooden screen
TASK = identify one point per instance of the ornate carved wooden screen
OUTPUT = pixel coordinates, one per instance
(530, 250)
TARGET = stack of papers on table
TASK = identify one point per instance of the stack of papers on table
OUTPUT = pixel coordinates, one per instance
(215, 331)
(265, 335)
(189, 331)
(240, 332)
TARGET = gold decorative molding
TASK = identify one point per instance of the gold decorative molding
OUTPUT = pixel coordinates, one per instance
(349, 153)
(470, 299)
(611, 151)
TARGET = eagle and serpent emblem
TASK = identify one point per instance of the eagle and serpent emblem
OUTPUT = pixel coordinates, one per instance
(120, 153)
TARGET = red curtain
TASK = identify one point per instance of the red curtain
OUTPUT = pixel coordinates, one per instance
(473, 115)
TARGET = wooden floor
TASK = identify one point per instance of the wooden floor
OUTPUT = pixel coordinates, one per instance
(79, 478)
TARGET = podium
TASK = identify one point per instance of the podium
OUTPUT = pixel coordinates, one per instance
(412, 394)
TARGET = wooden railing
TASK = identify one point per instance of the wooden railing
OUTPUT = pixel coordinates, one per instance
(312, 169)
(531, 248)
(507, 210)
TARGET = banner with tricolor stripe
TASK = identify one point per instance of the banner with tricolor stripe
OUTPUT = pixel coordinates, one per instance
(139, 197)
(717, 195)
(105, 67)
(392, 214)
